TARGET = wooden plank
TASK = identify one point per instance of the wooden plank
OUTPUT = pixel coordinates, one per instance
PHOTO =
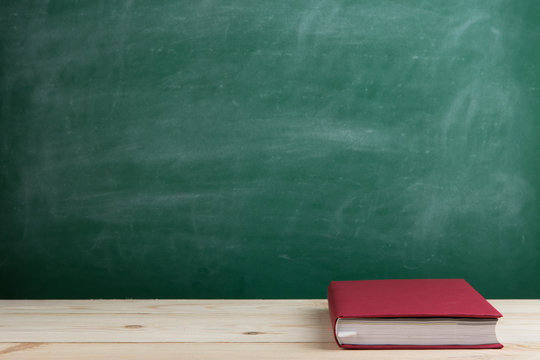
(201, 306)
(164, 328)
(235, 351)
(187, 321)
(159, 306)
(507, 306)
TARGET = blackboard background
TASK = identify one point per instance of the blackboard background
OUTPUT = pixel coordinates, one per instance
(260, 149)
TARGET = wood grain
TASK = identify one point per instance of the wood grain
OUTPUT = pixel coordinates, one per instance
(212, 329)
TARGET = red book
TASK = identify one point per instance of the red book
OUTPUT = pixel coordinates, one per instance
(411, 314)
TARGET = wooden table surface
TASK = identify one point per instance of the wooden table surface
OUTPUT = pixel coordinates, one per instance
(218, 329)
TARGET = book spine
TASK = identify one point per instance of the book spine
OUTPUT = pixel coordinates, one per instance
(332, 310)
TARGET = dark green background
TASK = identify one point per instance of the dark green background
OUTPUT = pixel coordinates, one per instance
(260, 149)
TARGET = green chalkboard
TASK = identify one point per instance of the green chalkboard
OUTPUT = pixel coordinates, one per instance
(260, 149)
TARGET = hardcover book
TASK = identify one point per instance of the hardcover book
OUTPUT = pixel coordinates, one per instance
(411, 314)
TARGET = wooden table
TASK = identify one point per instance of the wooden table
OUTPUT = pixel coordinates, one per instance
(217, 329)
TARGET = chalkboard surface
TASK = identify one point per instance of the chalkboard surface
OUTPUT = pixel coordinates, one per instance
(260, 149)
